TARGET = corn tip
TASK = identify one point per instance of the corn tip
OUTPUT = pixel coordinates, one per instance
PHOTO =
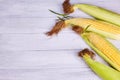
(86, 51)
(77, 29)
(55, 30)
(67, 7)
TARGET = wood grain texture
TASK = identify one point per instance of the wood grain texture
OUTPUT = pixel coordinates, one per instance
(26, 53)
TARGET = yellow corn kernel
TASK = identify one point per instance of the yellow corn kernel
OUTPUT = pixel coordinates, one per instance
(99, 25)
(106, 29)
(109, 50)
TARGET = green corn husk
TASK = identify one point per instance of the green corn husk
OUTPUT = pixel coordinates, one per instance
(99, 13)
(102, 46)
(94, 11)
(106, 29)
(103, 71)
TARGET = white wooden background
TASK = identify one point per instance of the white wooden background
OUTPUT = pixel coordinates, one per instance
(26, 53)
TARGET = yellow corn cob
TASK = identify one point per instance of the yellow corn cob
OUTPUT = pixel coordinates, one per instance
(106, 29)
(103, 71)
(104, 48)
(95, 11)
(96, 24)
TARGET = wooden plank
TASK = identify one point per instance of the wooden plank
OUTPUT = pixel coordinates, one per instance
(40, 59)
(20, 65)
(39, 8)
(41, 42)
(26, 25)
(48, 74)
(43, 59)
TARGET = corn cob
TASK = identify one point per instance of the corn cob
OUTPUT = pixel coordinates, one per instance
(103, 28)
(103, 71)
(102, 46)
(94, 11)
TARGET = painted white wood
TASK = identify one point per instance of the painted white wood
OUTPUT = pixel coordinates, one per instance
(62, 41)
(41, 42)
(44, 65)
(42, 59)
(26, 53)
(39, 8)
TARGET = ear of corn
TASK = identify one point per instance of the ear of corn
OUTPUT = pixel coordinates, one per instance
(99, 13)
(104, 48)
(103, 28)
(106, 29)
(95, 11)
(103, 71)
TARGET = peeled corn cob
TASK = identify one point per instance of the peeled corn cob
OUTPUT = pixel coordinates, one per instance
(94, 11)
(103, 28)
(102, 46)
(103, 71)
